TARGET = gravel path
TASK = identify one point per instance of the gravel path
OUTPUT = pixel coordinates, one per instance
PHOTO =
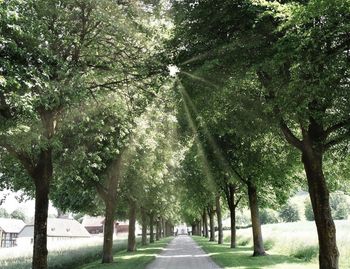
(183, 253)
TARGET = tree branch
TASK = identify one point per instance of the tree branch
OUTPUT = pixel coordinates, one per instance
(290, 137)
(338, 126)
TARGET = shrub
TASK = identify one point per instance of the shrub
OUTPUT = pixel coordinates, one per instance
(268, 216)
(309, 213)
(306, 253)
(242, 219)
(269, 244)
(340, 205)
(243, 241)
(290, 212)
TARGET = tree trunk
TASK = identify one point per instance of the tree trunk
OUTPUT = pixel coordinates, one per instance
(230, 192)
(193, 229)
(151, 230)
(107, 255)
(163, 228)
(42, 176)
(233, 227)
(144, 226)
(205, 223)
(211, 224)
(157, 230)
(319, 194)
(219, 217)
(256, 226)
(132, 224)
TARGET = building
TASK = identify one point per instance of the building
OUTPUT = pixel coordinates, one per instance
(9, 230)
(57, 229)
(94, 225)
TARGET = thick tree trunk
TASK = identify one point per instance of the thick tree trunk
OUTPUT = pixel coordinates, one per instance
(42, 173)
(205, 223)
(132, 226)
(151, 228)
(42, 176)
(219, 218)
(211, 225)
(319, 194)
(259, 249)
(107, 255)
(144, 227)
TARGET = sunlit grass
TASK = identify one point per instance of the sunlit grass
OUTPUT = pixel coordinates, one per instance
(134, 260)
(298, 239)
(241, 257)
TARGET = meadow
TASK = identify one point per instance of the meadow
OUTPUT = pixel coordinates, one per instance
(296, 241)
(62, 254)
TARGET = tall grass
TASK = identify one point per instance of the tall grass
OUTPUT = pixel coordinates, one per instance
(63, 256)
(299, 239)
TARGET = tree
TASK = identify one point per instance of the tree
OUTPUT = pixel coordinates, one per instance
(18, 214)
(290, 212)
(296, 75)
(57, 54)
(3, 213)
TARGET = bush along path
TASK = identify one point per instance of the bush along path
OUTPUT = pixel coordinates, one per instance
(132, 260)
(241, 257)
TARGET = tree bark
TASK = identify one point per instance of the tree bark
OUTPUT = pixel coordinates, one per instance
(144, 226)
(211, 224)
(109, 196)
(42, 176)
(205, 223)
(158, 230)
(259, 249)
(163, 228)
(151, 230)
(230, 192)
(132, 227)
(312, 147)
(107, 255)
(219, 218)
(319, 194)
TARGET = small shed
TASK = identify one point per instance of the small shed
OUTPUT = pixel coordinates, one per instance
(9, 230)
(57, 229)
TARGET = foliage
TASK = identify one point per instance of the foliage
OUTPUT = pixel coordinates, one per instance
(268, 216)
(4, 213)
(18, 214)
(340, 205)
(309, 213)
(290, 212)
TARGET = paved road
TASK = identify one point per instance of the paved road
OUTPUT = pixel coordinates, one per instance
(183, 253)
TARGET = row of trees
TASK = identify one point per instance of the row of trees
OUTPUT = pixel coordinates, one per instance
(84, 118)
(265, 87)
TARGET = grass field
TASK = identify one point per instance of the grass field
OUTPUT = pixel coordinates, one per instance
(241, 257)
(289, 245)
(136, 260)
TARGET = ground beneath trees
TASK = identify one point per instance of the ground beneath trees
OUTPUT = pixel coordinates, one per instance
(182, 253)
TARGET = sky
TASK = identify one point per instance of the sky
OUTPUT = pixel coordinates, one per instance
(9, 202)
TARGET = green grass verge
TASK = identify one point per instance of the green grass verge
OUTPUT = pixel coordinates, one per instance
(241, 257)
(135, 260)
